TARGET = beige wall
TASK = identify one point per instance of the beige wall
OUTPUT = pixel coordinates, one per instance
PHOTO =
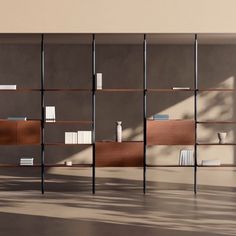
(101, 16)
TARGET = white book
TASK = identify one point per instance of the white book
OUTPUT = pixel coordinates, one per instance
(211, 162)
(180, 88)
(79, 137)
(84, 137)
(7, 87)
(74, 137)
(68, 137)
(99, 81)
(50, 114)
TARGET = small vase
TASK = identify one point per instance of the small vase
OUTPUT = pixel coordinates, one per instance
(222, 137)
(118, 131)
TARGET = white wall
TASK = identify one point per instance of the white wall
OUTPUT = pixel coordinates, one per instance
(197, 16)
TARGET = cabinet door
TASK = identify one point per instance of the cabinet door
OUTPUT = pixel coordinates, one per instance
(28, 132)
(8, 134)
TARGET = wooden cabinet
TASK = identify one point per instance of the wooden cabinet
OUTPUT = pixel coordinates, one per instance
(113, 154)
(19, 132)
(170, 132)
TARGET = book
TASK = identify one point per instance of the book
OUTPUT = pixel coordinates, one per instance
(84, 137)
(26, 161)
(68, 137)
(99, 81)
(7, 87)
(50, 114)
(211, 162)
(160, 117)
(180, 88)
(71, 138)
(17, 118)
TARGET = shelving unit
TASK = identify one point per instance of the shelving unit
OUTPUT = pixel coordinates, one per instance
(125, 154)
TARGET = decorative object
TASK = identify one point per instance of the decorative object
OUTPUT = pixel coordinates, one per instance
(222, 137)
(99, 81)
(50, 114)
(68, 163)
(119, 131)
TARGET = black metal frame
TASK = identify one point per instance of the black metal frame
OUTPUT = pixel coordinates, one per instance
(195, 108)
(144, 110)
(42, 114)
(93, 111)
(42, 59)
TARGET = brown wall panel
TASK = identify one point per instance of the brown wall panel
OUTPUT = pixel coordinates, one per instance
(28, 132)
(8, 131)
(113, 154)
(170, 132)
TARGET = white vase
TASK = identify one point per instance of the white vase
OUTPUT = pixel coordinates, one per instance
(118, 131)
(222, 137)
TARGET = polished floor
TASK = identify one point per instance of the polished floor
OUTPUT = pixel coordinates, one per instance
(118, 207)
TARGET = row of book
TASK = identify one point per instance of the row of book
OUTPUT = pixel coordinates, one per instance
(79, 137)
(186, 158)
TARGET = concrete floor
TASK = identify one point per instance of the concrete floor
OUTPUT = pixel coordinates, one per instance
(119, 207)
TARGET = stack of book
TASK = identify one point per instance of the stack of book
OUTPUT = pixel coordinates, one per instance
(211, 162)
(17, 118)
(7, 87)
(79, 137)
(27, 161)
(186, 157)
(160, 117)
(180, 88)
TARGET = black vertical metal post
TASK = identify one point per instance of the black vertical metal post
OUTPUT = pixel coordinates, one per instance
(144, 110)
(93, 111)
(42, 114)
(195, 108)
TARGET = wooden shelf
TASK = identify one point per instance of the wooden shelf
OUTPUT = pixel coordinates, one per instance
(216, 122)
(215, 144)
(170, 90)
(223, 165)
(18, 165)
(169, 166)
(63, 165)
(217, 90)
(70, 122)
(67, 90)
(119, 90)
(63, 144)
(20, 90)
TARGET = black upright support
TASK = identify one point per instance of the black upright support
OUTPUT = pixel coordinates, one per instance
(195, 108)
(42, 114)
(93, 111)
(144, 110)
